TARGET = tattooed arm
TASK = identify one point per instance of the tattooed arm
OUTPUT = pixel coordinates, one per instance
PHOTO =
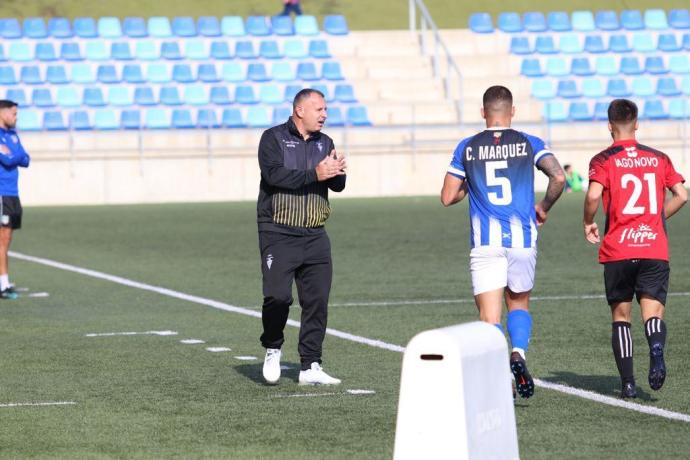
(549, 165)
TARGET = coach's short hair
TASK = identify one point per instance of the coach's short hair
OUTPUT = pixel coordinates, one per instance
(497, 97)
(304, 94)
(622, 112)
(7, 104)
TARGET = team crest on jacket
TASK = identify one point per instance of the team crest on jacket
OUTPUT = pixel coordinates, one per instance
(319, 145)
(269, 261)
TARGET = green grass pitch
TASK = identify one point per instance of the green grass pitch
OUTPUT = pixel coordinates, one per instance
(149, 396)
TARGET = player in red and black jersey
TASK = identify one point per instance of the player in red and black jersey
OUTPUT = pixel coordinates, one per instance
(632, 180)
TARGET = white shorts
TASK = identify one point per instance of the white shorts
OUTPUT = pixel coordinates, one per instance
(495, 268)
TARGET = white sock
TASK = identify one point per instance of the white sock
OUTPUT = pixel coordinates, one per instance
(521, 351)
(4, 282)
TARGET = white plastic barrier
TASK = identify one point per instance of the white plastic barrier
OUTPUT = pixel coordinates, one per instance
(456, 397)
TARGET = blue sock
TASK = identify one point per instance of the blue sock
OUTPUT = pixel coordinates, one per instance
(500, 328)
(519, 328)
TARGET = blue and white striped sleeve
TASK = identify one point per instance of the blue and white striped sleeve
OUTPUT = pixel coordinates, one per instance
(456, 167)
(539, 148)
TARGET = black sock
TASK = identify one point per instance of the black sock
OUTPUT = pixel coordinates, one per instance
(621, 341)
(655, 331)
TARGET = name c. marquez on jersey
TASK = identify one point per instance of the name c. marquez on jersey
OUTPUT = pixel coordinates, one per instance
(498, 152)
(641, 162)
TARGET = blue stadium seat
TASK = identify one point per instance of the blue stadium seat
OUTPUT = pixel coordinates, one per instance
(643, 42)
(120, 51)
(130, 119)
(169, 95)
(534, 21)
(319, 49)
(244, 94)
(245, 50)
(685, 85)
(196, 50)
(67, 96)
(580, 111)
(182, 119)
(531, 68)
(56, 75)
(556, 67)
(327, 93)
(93, 97)
(291, 91)
(105, 119)
(85, 28)
(195, 95)
(233, 26)
(543, 88)
(306, 25)
(281, 114)
(630, 65)
(257, 72)
(655, 65)
(19, 96)
(601, 111)
(642, 87)
(581, 67)
(568, 89)
(592, 88)
(60, 28)
(283, 71)
(686, 42)
(29, 121)
(617, 87)
(331, 71)
(220, 95)
(295, 49)
(234, 72)
(667, 87)
(570, 43)
(510, 22)
(157, 119)
(79, 121)
(30, 75)
(206, 118)
(109, 27)
(632, 20)
(35, 28)
(307, 71)
(668, 43)
(595, 44)
(655, 19)
(357, 116)
(158, 73)
(7, 76)
(107, 73)
(120, 96)
(131, 73)
(207, 73)
(544, 45)
(679, 108)
(146, 50)
(335, 117)
(53, 121)
(345, 93)
(679, 64)
(232, 118)
(220, 50)
(10, 28)
(70, 51)
(82, 73)
(21, 52)
(481, 23)
(258, 117)
(96, 50)
(282, 25)
(268, 49)
(335, 24)
(583, 21)
(654, 110)
(619, 44)
(209, 26)
(171, 51)
(555, 111)
(159, 27)
(270, 94)
(184, 26)
(143, 95)
(607, 20)
(679, 19)
(520, 45)
(182, 73)
(135, 27)
(3, 58)
(257, 26)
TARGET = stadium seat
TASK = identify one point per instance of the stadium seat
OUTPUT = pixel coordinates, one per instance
(307, 71)
(53, 121)
(607, 20)
(335, 117)
(82, 73)
(184, 26)
(319, 49)
(619, 44)
(581, 67)
(555, 111)
(35, 28)
(543, 88)
(169, 95)
(679, 108)
(158, 73)
(592, 88)
(306, 25)
(642, 87)
(143, 95)
(233, 71)
(120, 51)
(21, 52)
(283, 71)
(344, 93)
(655, 65)
(327, 93)
(107, 73)
(220, 50)
(544, 45)
(282, 25)
(679, 19)
(170, 51)
(207, 73)
(19, 96)
(244, 94)
(257, 26)
(570, 43)
(630, 66)
(531, 68)
(245, 50)
(655, 19)
(595, 44)
(679, 64)
(10, 28)
(131, 73)
(480, 23)
(182, 119)
(7, 76)
(568, 89)
(220, 95)
(685, 85)
(258, 117)
(667, 87)
(130, 119)
(67, 96)
(617, 87)
(85, 28)
(120, 96)
(534, 21)
(195, 95)
(358, 116)
(268, 49)
(60, 28)
(232, 118)
(134, 27)
(233, 26)
(70, 51)
(30, 75)
(182, 73)
(159, 27)
(668, 43)
(643, 42)
(601, 111)
(96, 50)
(196, 50)
(291, 91)
(520, 45)
(209, 26)
(270, 94)
(105, 119)
(3, 58)
(510, 22)
(80, 121)
(257, 72)
(335, 24)
(56, 75)
(157, 119)
(331, 71)
(580, 111)
(686, 42)
(29, 121)
(206, 118)
(93, 97)
(654, 110)
(583, 21)
(556, 67)
(295, 49)
(109, 27)
(632, 20)
(281, 114)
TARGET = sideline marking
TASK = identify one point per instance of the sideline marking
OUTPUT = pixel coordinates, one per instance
(217, 349)
(35, 294)
(36, 404)
(314, 395)
(110, 334)
(652, 410)
(191, 341)
(246, 358)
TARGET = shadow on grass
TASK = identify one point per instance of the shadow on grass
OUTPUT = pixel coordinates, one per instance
(254, 372)
(607, 385)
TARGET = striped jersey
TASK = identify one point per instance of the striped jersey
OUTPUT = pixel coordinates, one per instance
(498, 165)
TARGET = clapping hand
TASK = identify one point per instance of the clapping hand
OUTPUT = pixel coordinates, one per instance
(332, 165)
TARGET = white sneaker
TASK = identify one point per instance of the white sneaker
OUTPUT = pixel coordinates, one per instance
(272, 365)
(316, 376)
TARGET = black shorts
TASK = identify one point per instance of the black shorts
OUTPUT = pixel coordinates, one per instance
(10, 212)
(624, 278)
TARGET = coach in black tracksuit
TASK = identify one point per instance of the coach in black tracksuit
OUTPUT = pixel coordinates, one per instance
(298, 166)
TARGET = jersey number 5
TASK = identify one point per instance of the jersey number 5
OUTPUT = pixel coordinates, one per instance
(506, 196)
(632, 206)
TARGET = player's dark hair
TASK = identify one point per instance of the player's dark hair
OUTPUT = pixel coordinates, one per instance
(304, 94)
(622, 112)
(7, 104)
(497, 98)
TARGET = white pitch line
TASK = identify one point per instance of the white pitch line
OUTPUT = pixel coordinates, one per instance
(344, 335)
(110, 334)
(315, 395)
(40, 404)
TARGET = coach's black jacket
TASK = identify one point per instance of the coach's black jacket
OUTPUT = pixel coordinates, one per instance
(291, 200)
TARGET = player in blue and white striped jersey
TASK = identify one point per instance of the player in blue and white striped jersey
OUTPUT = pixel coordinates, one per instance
(496, 169)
